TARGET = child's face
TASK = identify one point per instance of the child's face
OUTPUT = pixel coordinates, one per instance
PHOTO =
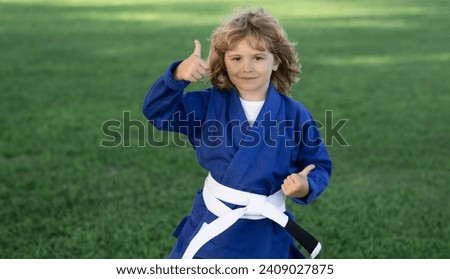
(249, 70)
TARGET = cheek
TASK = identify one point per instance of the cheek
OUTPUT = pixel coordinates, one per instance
(231, 70)
(227, 67)
(268, 70)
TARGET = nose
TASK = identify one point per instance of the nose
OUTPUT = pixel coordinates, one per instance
(247, 66)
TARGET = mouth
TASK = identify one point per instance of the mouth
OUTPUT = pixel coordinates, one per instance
(247, 78)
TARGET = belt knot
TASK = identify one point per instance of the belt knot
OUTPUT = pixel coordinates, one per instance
(256, 204)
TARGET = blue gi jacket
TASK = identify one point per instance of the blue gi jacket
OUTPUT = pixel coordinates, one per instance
(284, 139)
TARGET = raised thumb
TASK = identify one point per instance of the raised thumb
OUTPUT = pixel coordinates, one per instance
(307, 170)
(197, 48)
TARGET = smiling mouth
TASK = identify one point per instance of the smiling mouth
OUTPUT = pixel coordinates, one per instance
(248, 78)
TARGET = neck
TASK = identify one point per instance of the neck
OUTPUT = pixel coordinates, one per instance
(253, 96)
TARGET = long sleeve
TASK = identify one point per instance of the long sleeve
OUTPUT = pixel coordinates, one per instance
(169, 108)
(313, 151)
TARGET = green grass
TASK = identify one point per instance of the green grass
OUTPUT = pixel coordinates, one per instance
(66, 67)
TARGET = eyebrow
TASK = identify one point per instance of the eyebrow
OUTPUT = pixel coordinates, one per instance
(237, 54)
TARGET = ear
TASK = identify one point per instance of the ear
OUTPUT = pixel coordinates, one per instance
(276, 63)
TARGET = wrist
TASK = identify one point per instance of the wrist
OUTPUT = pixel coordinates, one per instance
(303, 191)
(175, 74)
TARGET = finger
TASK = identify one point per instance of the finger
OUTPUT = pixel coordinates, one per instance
(197, 48)
(193, 77)
(296, 179)
(204, 64)
(290, 183)
(291, 179)
(307, 170)
(287, 181)
(196, 76)
(285, 189)
(201, 71)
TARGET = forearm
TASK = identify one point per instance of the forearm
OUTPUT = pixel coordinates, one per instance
(313, 152)
(164, 98)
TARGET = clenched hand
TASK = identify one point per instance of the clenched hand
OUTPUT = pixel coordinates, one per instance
(296, 185)
(194, 67)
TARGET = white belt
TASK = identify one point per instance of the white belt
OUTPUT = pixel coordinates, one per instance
(255, 207)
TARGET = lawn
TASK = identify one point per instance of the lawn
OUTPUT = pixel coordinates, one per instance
(69, 68)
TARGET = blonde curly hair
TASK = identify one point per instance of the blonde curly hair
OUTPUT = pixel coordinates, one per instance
(264, 33)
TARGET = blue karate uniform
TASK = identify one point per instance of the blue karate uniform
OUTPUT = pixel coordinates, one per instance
(283, 140)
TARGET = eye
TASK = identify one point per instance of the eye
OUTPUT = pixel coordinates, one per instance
(236, 58)
(258, 58)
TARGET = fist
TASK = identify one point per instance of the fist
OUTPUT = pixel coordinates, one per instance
(296, 185)
(192, 68)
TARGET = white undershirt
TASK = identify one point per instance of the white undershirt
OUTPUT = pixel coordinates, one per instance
(252, 109)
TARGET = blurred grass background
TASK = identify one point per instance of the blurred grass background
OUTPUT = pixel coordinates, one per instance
(67, 67)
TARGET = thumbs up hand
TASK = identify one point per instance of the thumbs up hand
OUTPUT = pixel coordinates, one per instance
(296, 185)
(194, 67)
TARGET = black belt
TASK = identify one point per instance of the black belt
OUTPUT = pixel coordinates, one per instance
(304, 238)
